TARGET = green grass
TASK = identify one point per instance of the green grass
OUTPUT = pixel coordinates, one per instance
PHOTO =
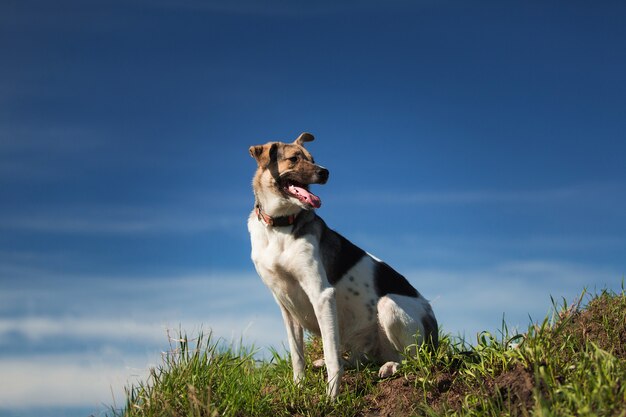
(572, 363)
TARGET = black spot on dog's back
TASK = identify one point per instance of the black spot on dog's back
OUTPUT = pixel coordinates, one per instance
(339, 255)
(388, 281)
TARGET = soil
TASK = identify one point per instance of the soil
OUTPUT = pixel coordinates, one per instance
(403, 397)
(516, 387)
(601, 322)
(396, 397)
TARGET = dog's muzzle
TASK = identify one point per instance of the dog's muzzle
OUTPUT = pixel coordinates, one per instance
(322, 175)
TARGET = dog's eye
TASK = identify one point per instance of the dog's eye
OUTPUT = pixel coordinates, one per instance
(293, 159)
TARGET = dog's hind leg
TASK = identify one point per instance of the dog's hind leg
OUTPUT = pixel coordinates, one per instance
(403, 322)
(295, 338)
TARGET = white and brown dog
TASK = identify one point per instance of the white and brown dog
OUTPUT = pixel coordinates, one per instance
(322, 282)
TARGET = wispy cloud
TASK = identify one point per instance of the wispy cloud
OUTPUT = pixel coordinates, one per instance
(39, 328)
(230, 326)
(98, 376)
(576, 192)
(128, 220)
(136, 309)
(92, 335)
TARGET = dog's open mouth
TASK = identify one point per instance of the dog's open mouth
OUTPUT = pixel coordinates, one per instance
(301, 192)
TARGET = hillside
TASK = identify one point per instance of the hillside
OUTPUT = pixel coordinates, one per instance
(573, 363)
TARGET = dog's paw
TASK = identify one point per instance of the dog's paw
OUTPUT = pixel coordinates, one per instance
(298, 377)
(388, 369)
(319, 364)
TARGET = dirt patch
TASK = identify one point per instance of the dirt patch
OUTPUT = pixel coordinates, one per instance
(515, 388)
(602, 322)
(396, 397)
(405, 396)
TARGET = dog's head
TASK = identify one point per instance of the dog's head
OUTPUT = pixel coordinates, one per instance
(285, 171)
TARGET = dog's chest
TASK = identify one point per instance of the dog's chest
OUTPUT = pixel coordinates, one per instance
(275, 253)
(276, 256)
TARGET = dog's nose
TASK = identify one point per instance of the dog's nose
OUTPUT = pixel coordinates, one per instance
(322, 175)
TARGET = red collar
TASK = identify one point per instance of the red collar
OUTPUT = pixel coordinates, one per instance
(280, 221)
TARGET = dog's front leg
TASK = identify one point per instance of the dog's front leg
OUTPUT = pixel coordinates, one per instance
(313, 280)
(326, 314)
(295, 338)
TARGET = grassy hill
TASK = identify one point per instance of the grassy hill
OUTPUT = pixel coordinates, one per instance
(574, 363)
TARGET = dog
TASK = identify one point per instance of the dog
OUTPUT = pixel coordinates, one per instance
(322, 282)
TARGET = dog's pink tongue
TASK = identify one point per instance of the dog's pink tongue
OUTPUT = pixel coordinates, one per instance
(305, 196)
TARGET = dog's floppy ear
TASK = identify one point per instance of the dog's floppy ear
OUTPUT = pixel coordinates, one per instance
(304, 137)
(257, 153)
(266, 154)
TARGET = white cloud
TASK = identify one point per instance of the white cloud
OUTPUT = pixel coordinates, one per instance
(99, 378)
(139, 311)
(263, 329)
(39, 328)
(68, 380)
(87, 379)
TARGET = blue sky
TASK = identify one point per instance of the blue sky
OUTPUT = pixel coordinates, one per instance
(477, 147)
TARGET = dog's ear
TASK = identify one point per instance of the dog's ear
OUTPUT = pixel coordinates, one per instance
(265, 154)
(257, 152)
(304, 137)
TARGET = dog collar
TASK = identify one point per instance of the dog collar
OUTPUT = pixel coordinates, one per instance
(280, 221)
